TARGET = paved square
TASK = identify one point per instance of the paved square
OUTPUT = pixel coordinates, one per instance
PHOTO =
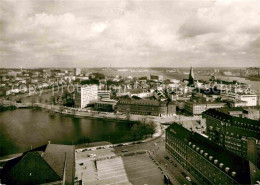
(137, 169)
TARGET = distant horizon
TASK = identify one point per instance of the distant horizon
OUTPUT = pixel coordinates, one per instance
(194, 67)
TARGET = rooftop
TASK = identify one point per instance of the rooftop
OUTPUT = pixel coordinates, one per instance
(227, 158)
(141, 102)
(41, 165)
(235, 121)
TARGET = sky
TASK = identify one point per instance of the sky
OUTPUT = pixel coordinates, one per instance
(129, 33)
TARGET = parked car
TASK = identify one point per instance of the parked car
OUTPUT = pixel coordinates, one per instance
(188, 178)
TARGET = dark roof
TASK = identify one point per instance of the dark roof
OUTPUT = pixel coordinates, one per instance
(139, 102)
(30, 168)
(229, 159)
(55, 156)
(217, 113)
(45, 164)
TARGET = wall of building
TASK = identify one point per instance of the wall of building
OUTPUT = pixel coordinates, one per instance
(196, 163)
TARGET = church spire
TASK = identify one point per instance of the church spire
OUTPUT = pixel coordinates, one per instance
(191, 77)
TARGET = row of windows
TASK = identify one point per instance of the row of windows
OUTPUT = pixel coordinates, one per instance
(202, 167)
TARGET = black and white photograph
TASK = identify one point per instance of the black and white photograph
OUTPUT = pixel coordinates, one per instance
(129, 92)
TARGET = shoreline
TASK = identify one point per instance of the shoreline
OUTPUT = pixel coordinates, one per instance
(93, 115)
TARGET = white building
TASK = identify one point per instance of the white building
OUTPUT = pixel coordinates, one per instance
(77, 71)
(85, 95)
(251, 99)
(248, 99)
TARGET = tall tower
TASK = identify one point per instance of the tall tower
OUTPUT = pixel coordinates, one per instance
(191, 77)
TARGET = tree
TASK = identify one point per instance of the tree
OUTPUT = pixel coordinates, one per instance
(84, 140)
(87, 140)
(97, 76)
(143, 129)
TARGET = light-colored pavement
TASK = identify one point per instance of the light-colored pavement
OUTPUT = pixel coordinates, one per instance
(155, 147)
(137, 169)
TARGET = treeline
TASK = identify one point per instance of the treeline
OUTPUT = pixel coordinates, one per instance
(142, 130)
(3, 108)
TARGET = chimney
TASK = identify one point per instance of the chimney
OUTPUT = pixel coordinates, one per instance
(210, 157)
(49, 142)
(193, 146)
(197, 149)
(233, 174)
(201, 151)
(221, 165)
(216, 161)
(206, 154)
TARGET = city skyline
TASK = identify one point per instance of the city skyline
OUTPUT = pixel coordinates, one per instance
(180, 33)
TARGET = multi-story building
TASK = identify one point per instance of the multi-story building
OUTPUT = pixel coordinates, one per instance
(85, 95)
(146, 107)
(208, 162)
(102, 94)
(107, 105)
(233, 132)
(247, 99)
(77, 71)
(197, 108)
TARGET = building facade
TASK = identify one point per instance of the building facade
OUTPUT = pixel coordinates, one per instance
(197, 108)
(233, 133)
(77, 71)
(244, 99)
(145, 107)
(106, 105)
(102, 94)
(205, 160)
(85, 95)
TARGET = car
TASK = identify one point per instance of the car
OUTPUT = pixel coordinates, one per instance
(175, 165)
(167, 158)
(81, 164)
(184, 174)
(188, 178)
(124, 150)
